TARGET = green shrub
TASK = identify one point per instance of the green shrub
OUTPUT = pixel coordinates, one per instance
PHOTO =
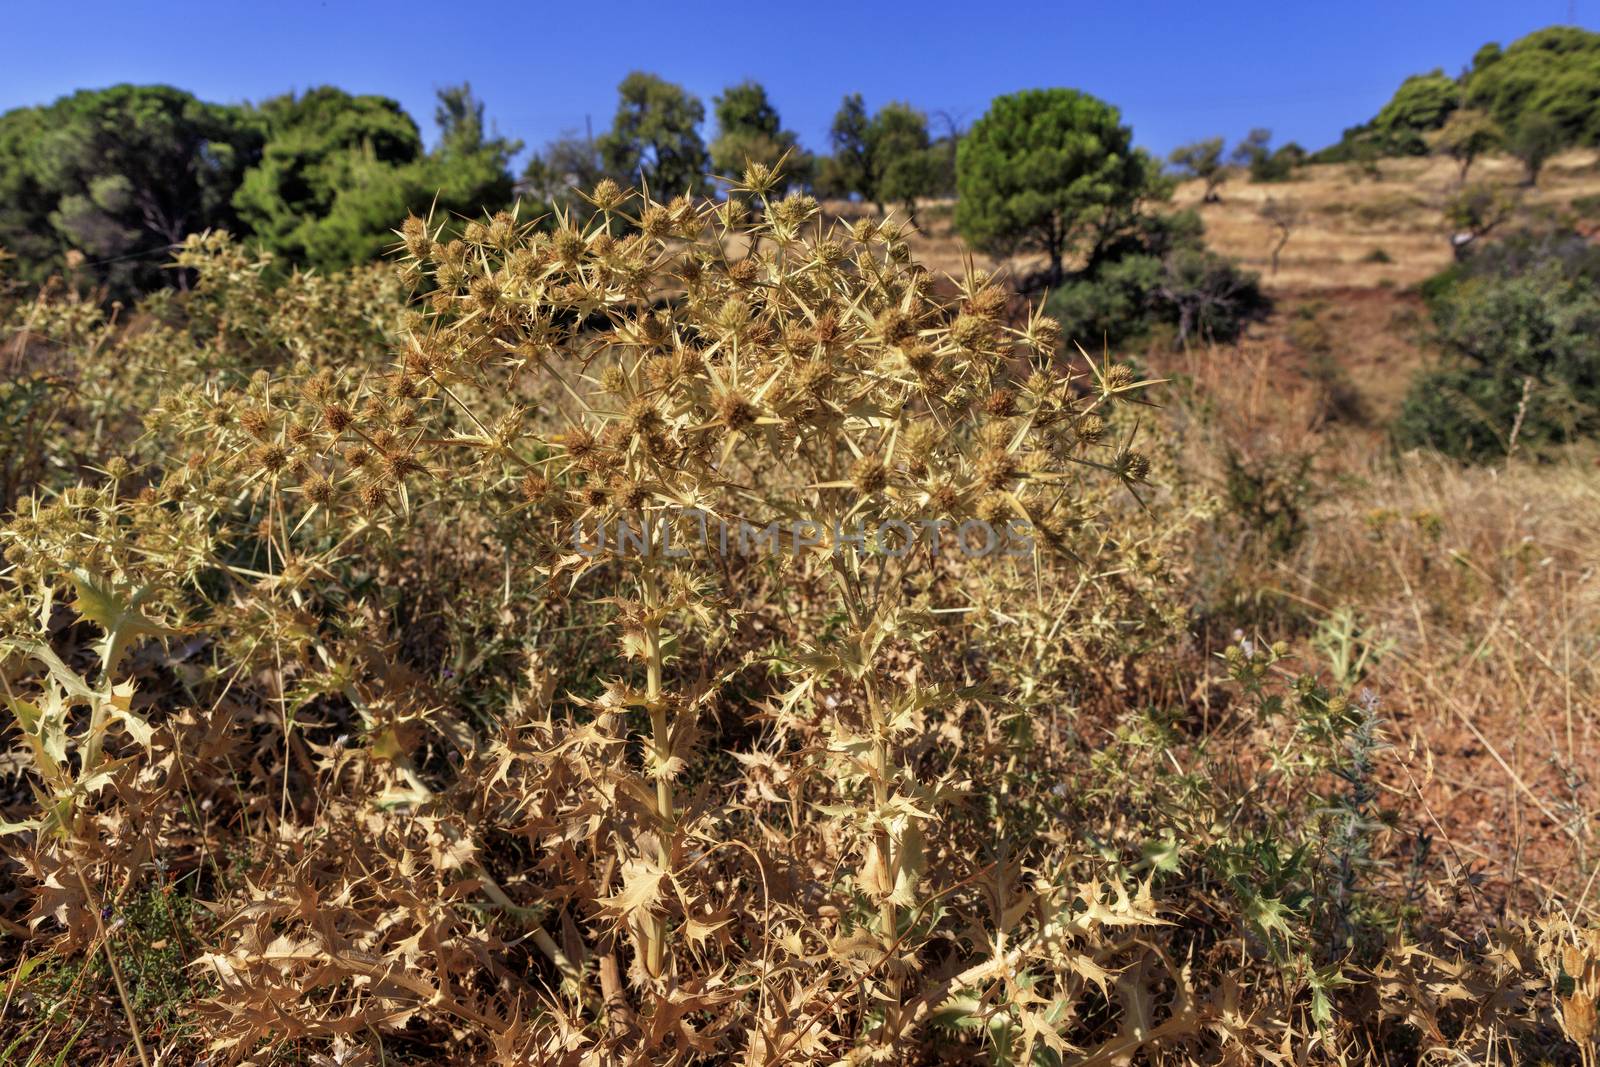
(1160, 274)
(1265, 163)
(1517, 324)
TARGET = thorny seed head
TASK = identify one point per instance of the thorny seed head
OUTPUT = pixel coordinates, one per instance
(643, 417)
(997, 468)
(580, 442)
(655, 223)
(373, 495)
(608, 195)
(629, 495)
(1133, 466)
(337, 418)
(271, 457)
(319, 490)
(1002, 403)
(735, 411)
(745, 273)
(256, 421)
(869, 474)
(534, 487)
(415, 234)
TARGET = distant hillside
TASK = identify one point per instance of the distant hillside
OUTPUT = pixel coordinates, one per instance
(1550, 77)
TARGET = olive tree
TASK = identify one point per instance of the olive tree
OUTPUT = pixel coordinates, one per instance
(1202, 161)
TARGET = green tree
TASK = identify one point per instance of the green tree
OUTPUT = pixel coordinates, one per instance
(1422, 104)
(1554, 72)
(884, 158)
(325, 146)
(655, 135)
(902, 164)
(1467, 134)
(564, 166)
(470, 169)
(1051, 171)
(848, 170)
(1265, 164)
(1533, 140)
(944, 149)
(120, 175)
(25, 203)
(750, 131)
(1202, 161)
(340, 173)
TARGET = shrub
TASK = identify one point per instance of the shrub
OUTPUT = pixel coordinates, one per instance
(301, 488)
(1517, 324)
(885, 158)
(1423, 103)
(1533, 140)
(1271, 495)
(1266, 164)
(1160, 273)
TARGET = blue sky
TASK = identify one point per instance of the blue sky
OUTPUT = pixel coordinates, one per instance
(1178, 69)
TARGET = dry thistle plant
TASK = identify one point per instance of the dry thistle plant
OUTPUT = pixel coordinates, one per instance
(692, 634)
(816, 383)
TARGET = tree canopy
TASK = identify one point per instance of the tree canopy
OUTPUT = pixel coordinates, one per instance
(319, 179)
(885, 158)
(1201, 160)
(120, 175)
(1050, 171)
(1422, 104)
(341, 172)
(1553, 73)
(656, 135)
(750, 131)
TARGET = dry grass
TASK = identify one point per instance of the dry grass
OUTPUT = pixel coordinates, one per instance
(1474, 595)
(1346, 218)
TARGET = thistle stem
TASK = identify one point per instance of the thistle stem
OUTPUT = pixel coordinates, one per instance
(661, 739)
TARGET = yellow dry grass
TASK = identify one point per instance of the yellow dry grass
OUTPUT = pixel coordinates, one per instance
(1349, 221)
(1354, 231)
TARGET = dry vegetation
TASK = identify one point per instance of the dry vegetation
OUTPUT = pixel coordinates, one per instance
(1356, 230)
(1351, 216)
(327, 747)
